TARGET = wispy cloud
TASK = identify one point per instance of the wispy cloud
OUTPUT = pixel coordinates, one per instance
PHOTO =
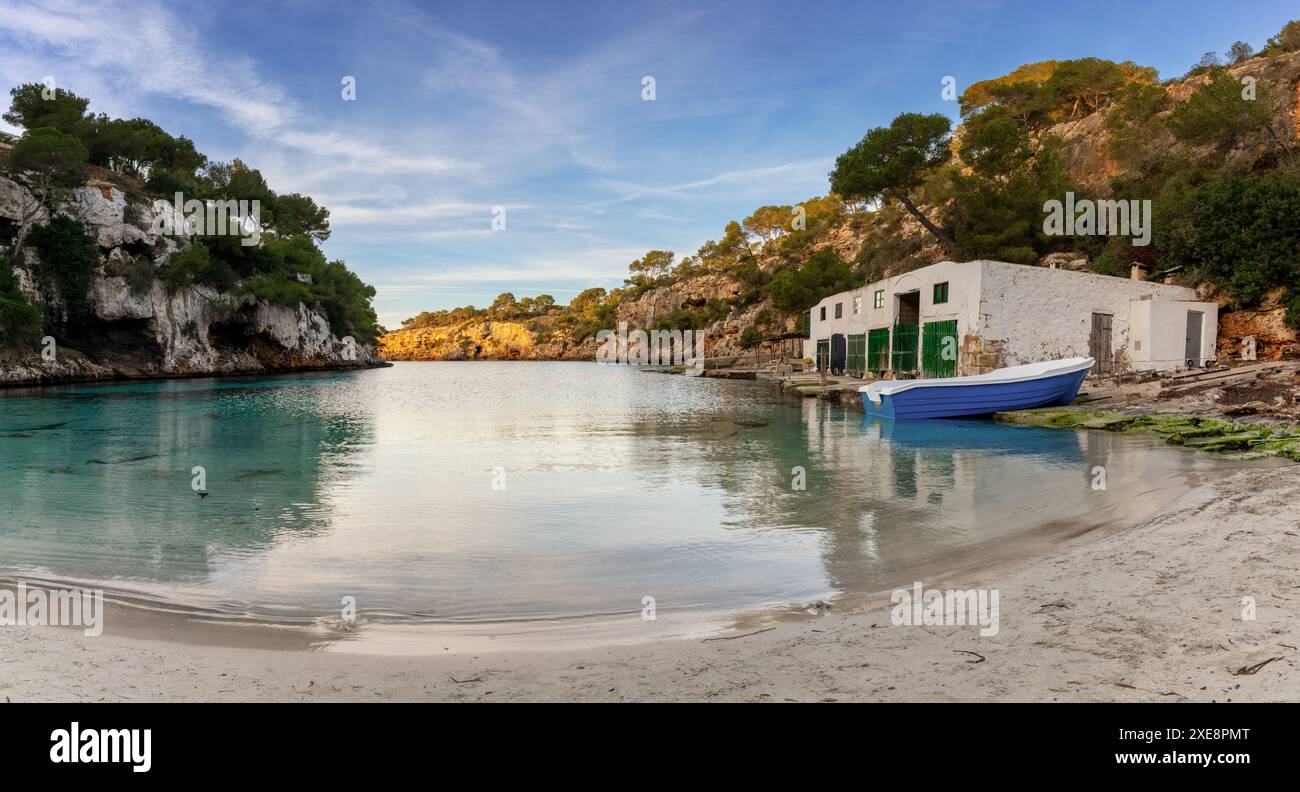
(399, 214)
(148, 49)
(356, 153)
(143, 49)
(591, 267)
(774, 179)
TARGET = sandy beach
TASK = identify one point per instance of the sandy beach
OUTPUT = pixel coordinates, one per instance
(1152, 613)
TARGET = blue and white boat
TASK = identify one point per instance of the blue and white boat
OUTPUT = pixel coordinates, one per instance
(1052, 382)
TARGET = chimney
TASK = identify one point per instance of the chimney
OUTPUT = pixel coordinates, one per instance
(1137, 271)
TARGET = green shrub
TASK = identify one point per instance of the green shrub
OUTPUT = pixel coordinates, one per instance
(137, 271)
(1291, 299)
(1287, 40)
(60, 158)
(1241, 232)
(167, 183)
(825, 273)
(716, 310)
(1110, 263)
(682, 319)
(196, 265)
(750, 336)
(19, 319)
(68, 255)
(279, 289)
(1218, 113)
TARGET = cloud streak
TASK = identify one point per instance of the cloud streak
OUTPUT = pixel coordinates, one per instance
(770, 179)
(145, 49)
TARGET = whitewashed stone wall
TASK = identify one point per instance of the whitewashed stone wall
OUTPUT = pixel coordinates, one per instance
(1008, 314)
(1034, 313)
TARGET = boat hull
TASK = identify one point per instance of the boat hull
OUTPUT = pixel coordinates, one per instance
(955, 401)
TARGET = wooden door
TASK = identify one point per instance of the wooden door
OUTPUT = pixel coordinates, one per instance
(1100, 347)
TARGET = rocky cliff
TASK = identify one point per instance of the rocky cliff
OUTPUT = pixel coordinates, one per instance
(139, 328)
(1089, 155)
(484, 340)
(545, 339)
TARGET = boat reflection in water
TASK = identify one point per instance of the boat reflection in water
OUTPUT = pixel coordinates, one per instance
(927, 497)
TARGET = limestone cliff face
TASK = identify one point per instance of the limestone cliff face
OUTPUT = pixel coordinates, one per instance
(1087, 151)
(641, 312)
(140, 329)
(1267, 324)
(482, 340)
(541, 339)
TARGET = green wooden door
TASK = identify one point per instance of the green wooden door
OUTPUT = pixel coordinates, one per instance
(905, 338)
(855, 362)
(939, 349)
(878, 350)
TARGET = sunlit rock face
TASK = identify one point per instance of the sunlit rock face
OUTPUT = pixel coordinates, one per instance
(141, 329)
(1266, 324)
(483, 340)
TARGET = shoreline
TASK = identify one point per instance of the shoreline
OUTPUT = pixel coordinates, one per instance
(1149, 613)
(57, 380)
(140, 614)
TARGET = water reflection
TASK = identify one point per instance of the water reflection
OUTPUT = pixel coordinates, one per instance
(102, 488)
(615, 485)
(890, 500)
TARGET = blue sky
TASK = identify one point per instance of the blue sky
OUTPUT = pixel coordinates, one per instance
(537, 107)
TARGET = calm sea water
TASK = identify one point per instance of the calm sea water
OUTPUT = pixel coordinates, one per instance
(526, 492)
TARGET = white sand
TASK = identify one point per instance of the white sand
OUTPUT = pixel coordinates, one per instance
(1153, 613)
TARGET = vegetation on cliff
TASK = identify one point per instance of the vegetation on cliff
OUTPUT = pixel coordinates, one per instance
(63, 143)
(20, 319)
(67, 256)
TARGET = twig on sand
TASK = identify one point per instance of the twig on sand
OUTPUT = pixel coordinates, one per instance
(734, 637)
(981, 657)
(1144, 690)
(1062, 604)
(1253, 669)
(464, 681)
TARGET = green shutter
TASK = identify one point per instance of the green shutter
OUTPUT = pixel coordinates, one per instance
(934, 344)
(878, 350)
(905, 337)
(856, 355)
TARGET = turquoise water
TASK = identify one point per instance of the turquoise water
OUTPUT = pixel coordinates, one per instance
(496, 492)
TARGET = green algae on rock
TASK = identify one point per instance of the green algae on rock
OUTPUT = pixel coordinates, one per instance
(1204, 434)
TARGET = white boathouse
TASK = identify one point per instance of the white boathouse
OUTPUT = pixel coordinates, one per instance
(956, 319)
